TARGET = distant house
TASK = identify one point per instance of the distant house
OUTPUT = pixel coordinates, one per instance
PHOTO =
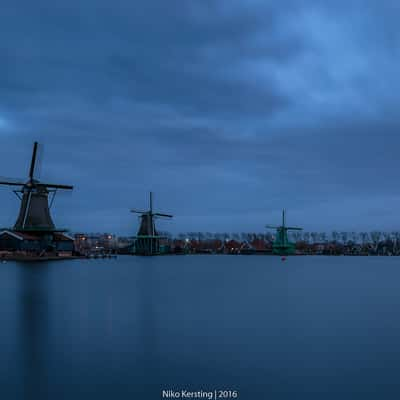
(232, 247)
(195, 246)
(261, 246)
(178, 246)
(94, 242)
(63, 243)
(215, 245)
(318, 248)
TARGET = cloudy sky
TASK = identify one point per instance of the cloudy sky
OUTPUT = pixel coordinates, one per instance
(228, 110)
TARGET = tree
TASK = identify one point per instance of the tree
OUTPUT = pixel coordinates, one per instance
(376, 236)
(364, 237)
(296, 235)
(314, 236)
(269, 237)
(386, 235)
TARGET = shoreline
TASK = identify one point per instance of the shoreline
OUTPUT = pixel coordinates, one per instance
(63, 258)
(44, 258)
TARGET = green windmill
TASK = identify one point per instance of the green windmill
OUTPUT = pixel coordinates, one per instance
(281, 245)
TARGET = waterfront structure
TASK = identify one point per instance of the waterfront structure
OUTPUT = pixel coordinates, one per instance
(281, 245)
(148, 241)
(34, 229)
(11, 241)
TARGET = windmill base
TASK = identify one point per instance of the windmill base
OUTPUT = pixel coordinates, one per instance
(149, 246)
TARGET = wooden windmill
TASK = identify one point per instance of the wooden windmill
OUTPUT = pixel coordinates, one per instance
(147, 241)
(34, 214)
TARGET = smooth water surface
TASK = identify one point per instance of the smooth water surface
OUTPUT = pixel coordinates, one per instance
(307, 328)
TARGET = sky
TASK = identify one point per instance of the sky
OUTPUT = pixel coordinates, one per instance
(227, 110)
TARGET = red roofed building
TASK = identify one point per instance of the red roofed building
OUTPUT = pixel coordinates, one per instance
(232, 247)
(260, 245)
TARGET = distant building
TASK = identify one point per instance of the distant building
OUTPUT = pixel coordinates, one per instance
(261, 246)
(232, 247)
(89, 242)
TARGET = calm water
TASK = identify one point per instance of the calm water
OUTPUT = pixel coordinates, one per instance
(309, 328)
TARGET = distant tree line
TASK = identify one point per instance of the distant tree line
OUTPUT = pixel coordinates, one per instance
(296, 236)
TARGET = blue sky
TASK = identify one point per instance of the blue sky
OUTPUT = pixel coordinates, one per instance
(228, 111)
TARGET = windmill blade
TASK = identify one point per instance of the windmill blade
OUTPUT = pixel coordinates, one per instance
(294, 228)
(33, 161)
(272, 227)
(56, 186)
(163, 215)
(11, 182)
(139, 212)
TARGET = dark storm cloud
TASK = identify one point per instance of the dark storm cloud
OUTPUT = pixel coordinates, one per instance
(154, 53)
(228, 110)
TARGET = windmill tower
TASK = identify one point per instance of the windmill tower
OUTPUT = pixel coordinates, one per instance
(147, 241)
(281, 245)
(34, 214)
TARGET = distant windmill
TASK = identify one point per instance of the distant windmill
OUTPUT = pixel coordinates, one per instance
(281, 244)
(148, 240)
(34, 214)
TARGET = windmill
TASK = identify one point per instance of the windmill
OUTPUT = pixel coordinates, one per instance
(34, 214)
(281, 244)
(148, 239)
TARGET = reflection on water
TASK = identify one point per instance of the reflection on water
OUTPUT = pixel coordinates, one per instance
(130, 327)
(148, 331)
(312, 328)
(33, 328)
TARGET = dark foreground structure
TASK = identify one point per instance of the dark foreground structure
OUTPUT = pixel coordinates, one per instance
(34, 234)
